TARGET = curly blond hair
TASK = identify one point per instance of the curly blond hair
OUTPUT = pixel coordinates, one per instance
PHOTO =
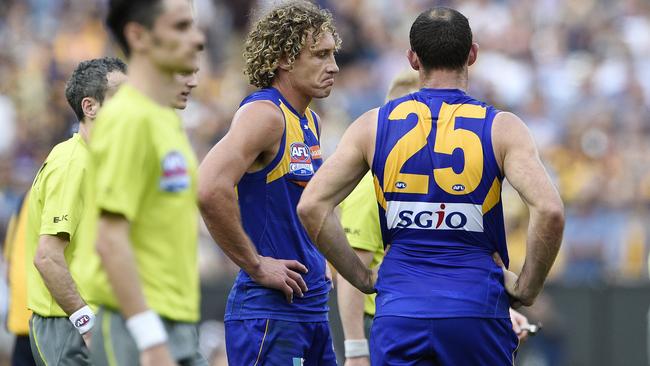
(282, 33)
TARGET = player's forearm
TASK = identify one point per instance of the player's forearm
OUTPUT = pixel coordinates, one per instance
(220, 212)
(50, 263)
(114, 248)
(326, 232)
(350, 303)
(544, 239)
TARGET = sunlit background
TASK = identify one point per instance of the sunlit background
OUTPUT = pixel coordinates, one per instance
(576, 71)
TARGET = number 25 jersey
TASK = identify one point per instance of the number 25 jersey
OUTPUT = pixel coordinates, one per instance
(438, 187)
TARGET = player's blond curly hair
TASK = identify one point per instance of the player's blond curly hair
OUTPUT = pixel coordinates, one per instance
(282, 33)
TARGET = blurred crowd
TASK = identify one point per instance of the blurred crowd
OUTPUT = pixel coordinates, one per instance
(576, 71)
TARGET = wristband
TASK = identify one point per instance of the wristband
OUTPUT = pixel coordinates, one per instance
(83, 319)
(356, 348)
(147, 329)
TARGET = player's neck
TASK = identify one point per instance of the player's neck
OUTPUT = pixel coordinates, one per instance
(151, 81)
(443, 79)
(298, 100)
(84, 131)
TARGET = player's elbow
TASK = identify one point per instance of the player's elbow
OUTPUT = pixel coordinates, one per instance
(306, 210)
(553, 212)
(47, 253)
(210, 193)
(43, 258)
(103, 247)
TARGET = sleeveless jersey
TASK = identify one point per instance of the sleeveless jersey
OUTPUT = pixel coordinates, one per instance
(268, 200)
(438, 187)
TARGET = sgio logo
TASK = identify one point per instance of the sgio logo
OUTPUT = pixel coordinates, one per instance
(434, 216)
(428, 219)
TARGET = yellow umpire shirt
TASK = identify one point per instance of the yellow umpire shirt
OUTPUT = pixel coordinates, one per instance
(144, 169)
(360, 220)
(55, 206)
(18, 315)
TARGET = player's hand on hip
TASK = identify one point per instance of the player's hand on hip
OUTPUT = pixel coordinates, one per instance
(281, 274)
(328, 274)
(357, 361)
(520, 324)
(374, 273)
(509, 281)
(157, 356)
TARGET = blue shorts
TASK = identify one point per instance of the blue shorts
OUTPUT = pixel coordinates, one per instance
(442, 342)
(270, 342)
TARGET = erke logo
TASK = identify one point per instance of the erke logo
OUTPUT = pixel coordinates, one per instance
(59, 219)
(83, 320)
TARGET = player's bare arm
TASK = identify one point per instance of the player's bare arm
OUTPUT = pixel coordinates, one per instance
(51, 264)
(351, 309)
(520, 162)
(351, 301)
(330, 185)
(114, 249)
(251, 144)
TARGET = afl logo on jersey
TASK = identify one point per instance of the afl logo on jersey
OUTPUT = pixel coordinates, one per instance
(300, 159)
(400, 185)
(458, 187)
(174, 176)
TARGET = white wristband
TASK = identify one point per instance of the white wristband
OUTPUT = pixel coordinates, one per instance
(147, 329)
(83, 319)
(356, 348)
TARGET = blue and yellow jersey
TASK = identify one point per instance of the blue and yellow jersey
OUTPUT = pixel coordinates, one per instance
(438, 186)
(268, 200)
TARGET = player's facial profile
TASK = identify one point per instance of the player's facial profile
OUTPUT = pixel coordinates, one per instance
(176, 39)
(316, 65)
(186, 81)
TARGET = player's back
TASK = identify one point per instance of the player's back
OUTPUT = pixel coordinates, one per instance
(439, 188)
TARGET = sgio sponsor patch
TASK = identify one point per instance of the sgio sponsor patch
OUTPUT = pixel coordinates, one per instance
(434, 216)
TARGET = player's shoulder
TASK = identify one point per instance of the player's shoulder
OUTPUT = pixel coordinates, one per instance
(261, 115)
(271, 95)
(507, 124)
(69, 152)
(130, 104)
(128, 112)
(367, 120)
(508, 131)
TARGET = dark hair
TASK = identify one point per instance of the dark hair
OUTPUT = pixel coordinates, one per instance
(122, 12)
(89, 79)
(442, 38)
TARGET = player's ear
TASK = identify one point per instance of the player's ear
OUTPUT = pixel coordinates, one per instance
(413, 59)
(284, 64)
(137, 36)
(90, 106)
(473, 54)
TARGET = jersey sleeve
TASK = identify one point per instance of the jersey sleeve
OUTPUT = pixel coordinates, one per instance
(360, 219)
(62, 199)
(120, 150)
